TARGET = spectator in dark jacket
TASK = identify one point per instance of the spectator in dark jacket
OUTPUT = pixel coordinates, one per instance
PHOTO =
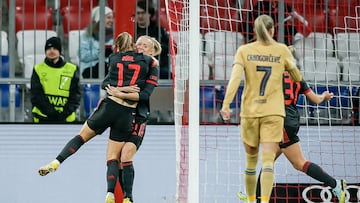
(145, 26)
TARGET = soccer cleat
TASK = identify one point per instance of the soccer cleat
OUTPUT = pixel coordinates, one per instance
(127, 200)
(110, 198)
(242, 196)
(339, 190)
(51, 167)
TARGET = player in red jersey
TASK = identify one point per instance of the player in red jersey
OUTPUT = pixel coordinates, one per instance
(127, 68)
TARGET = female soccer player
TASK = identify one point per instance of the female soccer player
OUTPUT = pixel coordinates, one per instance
(149, 46)
(290, 145)
(262, 118)
(115, 112)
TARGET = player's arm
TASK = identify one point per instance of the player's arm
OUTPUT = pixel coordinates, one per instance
(231, 90)
(318, 98)
(129, 89)
(151, 81)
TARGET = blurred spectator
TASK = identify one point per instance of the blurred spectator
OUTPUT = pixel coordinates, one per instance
(270, 7)
(55, 87)
(89, 43)
(145, 26)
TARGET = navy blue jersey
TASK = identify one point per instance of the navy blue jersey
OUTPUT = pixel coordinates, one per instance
(132, 68)
(291, 94)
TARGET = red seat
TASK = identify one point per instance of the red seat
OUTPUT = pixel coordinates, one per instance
(28, 3)
(75, 18)
(79, 3)
(218, 3)
(175, 13)
(316, 20)
(110, 4)
(343, 15)
(217, 18)
(33, 18)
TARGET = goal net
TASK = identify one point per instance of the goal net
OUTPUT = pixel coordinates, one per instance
(326, 37)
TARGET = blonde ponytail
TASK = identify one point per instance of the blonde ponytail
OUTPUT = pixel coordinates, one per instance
(263, 24)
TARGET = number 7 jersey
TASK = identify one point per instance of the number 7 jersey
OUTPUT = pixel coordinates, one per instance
(264, 66)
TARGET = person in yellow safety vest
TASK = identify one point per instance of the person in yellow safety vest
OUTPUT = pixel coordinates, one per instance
(55, 87)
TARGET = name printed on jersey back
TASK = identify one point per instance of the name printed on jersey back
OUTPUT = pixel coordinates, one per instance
(128, 58)
(263, 58)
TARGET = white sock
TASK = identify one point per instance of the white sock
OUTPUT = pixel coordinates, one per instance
(110, 194)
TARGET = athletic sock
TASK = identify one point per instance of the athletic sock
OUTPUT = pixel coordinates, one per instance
(128, 178)
(267, 175)
(112, 174)
(120, 178)
(70, 148)
(316, 172)
(250, 176)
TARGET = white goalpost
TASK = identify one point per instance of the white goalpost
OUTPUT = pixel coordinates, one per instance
(210, 157)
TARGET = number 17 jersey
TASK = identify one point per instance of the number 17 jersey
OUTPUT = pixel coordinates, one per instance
(131, 68)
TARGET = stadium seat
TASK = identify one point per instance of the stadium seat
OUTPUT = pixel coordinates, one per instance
(303, 108)
(183, 53)
(219, 18)
(210, 103)
(32, 42)
(222, 67)
(218, 3)
(4, 66)
(340, 107)
(88, 4)
(338, 12)
(27, 3)
(207, 97)
(5, 95)
(348, 51)
(29, 63)
(316, 44)
(315, 55)
(91, 98)
(222, 43)
(74, 39)
(4, 44)
(75, 18)
(320, 69)
(347, 45)
(351, 69)
(33, 18)
(111, 3)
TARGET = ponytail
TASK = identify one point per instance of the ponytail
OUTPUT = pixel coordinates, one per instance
(263, 24)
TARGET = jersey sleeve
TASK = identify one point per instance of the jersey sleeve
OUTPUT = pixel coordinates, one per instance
(151, 81)
(235, 79)
(305, 88)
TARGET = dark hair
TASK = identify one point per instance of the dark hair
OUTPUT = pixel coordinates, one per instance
(146, 6)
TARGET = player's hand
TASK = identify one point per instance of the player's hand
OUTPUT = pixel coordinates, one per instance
(225, 114)
(113, 91)
(327, 95)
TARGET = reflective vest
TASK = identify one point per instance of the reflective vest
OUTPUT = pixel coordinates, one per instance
(56, 84)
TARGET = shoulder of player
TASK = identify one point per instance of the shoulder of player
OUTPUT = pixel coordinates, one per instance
(282, 46)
